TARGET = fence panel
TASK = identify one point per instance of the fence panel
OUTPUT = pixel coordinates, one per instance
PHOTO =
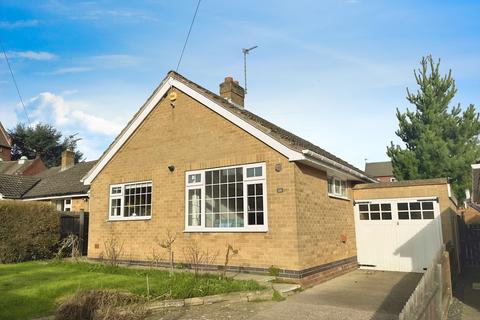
(431, 297)
(75, 223)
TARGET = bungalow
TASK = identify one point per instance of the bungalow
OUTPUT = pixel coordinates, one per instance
(202, 167)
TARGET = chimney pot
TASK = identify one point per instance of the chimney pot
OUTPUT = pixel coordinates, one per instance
(68, 160)
(233, 92)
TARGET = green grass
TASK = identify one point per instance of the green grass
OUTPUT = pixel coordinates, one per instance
(33, 289)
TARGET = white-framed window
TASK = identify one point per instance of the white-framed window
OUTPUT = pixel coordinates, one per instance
(131, 201)
(226, 199)
(393, 179)
(337, 187)
(67, 204)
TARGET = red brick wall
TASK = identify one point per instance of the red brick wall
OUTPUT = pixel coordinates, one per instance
(5, 154)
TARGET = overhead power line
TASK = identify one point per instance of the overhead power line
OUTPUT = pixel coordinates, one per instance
(15, 82)
(188, 35)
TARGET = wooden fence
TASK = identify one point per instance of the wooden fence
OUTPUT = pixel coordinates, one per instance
(470, 244)
(432, 296)
(75, 223)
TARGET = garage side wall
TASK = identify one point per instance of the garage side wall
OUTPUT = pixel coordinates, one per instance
(326, 228)
(441, 190)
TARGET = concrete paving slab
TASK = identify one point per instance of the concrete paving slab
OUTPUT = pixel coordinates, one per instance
(357, 295)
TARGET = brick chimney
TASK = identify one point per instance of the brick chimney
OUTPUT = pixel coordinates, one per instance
(68, 160)
(233, 92)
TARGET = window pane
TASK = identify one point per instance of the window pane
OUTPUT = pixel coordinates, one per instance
(239, 189)
(427, 205)
(231, 175)
(403, 215)
(330, 185)
(415, 215)
(386, 216)
(208, 177)
(427, 214)
(375, 207)
(251, 190)
(194, 178)
(251, 218)
(194, 207)
(363, 207)
(258, 171)
(239, 174)
(259, 203)
(386, 207)
(414, 205)
(402, 206)
(374, 215)
(223, 176)
(363, 215)
(259, 218)
(231, 190)
(250, 172)
(251, 203)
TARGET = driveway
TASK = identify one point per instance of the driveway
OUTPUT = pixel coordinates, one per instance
(359, 294)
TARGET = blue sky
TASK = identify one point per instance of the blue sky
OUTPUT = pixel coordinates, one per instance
(332, 72)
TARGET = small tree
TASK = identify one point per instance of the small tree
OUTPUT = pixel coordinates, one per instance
(167, 243)
(197, 257)
(439, 141)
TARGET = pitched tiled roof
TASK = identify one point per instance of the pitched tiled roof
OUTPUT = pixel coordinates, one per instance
(379, 169)
(62, 183)
(281, 135)
(14, 167)
(13, 187)
(4, 138)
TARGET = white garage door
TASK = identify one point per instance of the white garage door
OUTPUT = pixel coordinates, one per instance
(397, 234)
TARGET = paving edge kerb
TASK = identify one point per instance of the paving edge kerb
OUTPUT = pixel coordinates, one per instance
(197, 301)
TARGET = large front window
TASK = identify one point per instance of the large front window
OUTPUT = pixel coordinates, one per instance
(226, 199)
(131, 201)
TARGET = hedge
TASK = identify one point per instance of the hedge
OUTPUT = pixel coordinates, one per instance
(28, 231)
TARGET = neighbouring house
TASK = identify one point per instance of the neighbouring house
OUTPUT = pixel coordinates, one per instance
(200, 166)
(471, 212)
(22, 167)
(62, 185)
(382, 171)
(14, 187)
(5, 144)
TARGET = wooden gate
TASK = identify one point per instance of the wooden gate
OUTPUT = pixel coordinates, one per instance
(75, 223)
(470, 244)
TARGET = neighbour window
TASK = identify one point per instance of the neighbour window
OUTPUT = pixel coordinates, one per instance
(226, 199)
(393, 179)
(337, 187)
(415, 210)
(67, 205)
(131, 201)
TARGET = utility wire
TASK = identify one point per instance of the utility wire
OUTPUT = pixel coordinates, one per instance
(188, 35)
(15, 82)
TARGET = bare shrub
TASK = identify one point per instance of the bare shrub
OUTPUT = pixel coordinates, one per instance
(167, 243)
(102, 305)
(69, 246)
(155, 258)
(230, 252)
(113, 250)
(196, 257)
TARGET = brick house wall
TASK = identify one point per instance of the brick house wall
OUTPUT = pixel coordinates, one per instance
(5, 153)
(384, 178)
(191, 136)
(436, 188)
(36, 167)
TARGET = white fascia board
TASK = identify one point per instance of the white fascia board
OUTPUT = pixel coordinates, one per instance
(83, 195)
(171, 82)
(333, 165)
(476, 166)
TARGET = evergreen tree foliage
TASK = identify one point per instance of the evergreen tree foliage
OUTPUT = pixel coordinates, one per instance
(42, 140)
(439, 140)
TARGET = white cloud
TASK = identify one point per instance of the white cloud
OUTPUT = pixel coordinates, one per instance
(18, 24)
(32, 55)
(69, 70)
(51, 108)
(115, 60)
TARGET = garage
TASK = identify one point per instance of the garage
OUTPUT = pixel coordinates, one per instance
(402, 234)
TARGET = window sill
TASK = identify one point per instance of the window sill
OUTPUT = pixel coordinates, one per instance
(129, 219)
(226, 230)
(331, 195)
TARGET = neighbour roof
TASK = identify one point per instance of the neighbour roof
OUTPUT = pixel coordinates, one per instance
(405, 183)
(14, 167)
(4, 137)
(49, 172)
(14, 187)
(379, 169)
(62, 182)
(282, 136)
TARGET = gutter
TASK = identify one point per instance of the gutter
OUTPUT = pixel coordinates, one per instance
(337, 165)
(77, 195)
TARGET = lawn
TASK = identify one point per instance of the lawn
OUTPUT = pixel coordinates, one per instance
(33, 289)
